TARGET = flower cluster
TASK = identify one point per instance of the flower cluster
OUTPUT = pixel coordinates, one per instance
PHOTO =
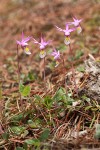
(67, 31)
(43, 44)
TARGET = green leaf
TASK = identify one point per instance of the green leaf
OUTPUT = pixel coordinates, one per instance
(16, 118)
(5, 136)
(81, 68)
(34, 142)
(17, 129)
(48, 102)
(31, 76)
(88, 107)
(37, 97)
(25, 133)
(35, 124)
(60, 94)
(25, 90)
(44, 135)
(78, 54)
(97, 133)
(20, 148)
(21, 87)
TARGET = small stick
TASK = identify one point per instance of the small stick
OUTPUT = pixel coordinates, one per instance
(18, 78)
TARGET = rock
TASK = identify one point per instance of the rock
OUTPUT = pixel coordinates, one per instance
(91, 87)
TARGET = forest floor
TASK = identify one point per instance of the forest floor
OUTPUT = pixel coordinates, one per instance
(50, 117)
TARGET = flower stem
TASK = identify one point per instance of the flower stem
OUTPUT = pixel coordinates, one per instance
(44, 70)
(73, 71)
(18, 66)
(0, 85)
(64, 71)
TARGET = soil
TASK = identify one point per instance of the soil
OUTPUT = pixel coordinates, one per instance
(35, 17)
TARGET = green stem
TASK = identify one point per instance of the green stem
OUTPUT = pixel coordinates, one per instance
(64, 72)
(18, 66)
(0, 85)
(73, 72)
(44, 69)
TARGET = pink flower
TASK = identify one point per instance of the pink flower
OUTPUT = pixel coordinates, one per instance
(76, 23)
(56, 55)
(23, 43)
(67, 31)
(42, 45)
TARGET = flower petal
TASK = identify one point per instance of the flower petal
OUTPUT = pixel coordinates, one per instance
(59, 28)
(79, 29)
(27, 51)
(18, 42)
(67, 40)
(57, 63)
(35, 41)
(26, 39)
(42, 54)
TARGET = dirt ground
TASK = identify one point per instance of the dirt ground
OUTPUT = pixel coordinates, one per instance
(35, 17)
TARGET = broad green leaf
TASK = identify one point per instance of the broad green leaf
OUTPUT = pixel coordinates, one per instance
(31, 76)
(17, 129)
(34, 142)
(16, 118)
(60, 94)
(21, 87)
(5, 136)
(24, 134)
(48, 101)
(20, 148)
(78, 54)
(81, 68)
(37, 97)
(35, 124)
(24, 90)
(44, 135)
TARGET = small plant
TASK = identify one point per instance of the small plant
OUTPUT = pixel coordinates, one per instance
(23, 43)
(42, 45)
(76, 23)
(67, 41)
(56, 55)
(67, 32)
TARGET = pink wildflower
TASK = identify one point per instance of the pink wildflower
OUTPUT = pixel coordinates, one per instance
(56, 55)
(67, 32)
(76, 23)
(42, 45)
(23, 43)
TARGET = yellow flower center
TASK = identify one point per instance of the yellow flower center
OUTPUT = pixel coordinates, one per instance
(27, 49)
(42, 52)
(67, 39)
(79, 29)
